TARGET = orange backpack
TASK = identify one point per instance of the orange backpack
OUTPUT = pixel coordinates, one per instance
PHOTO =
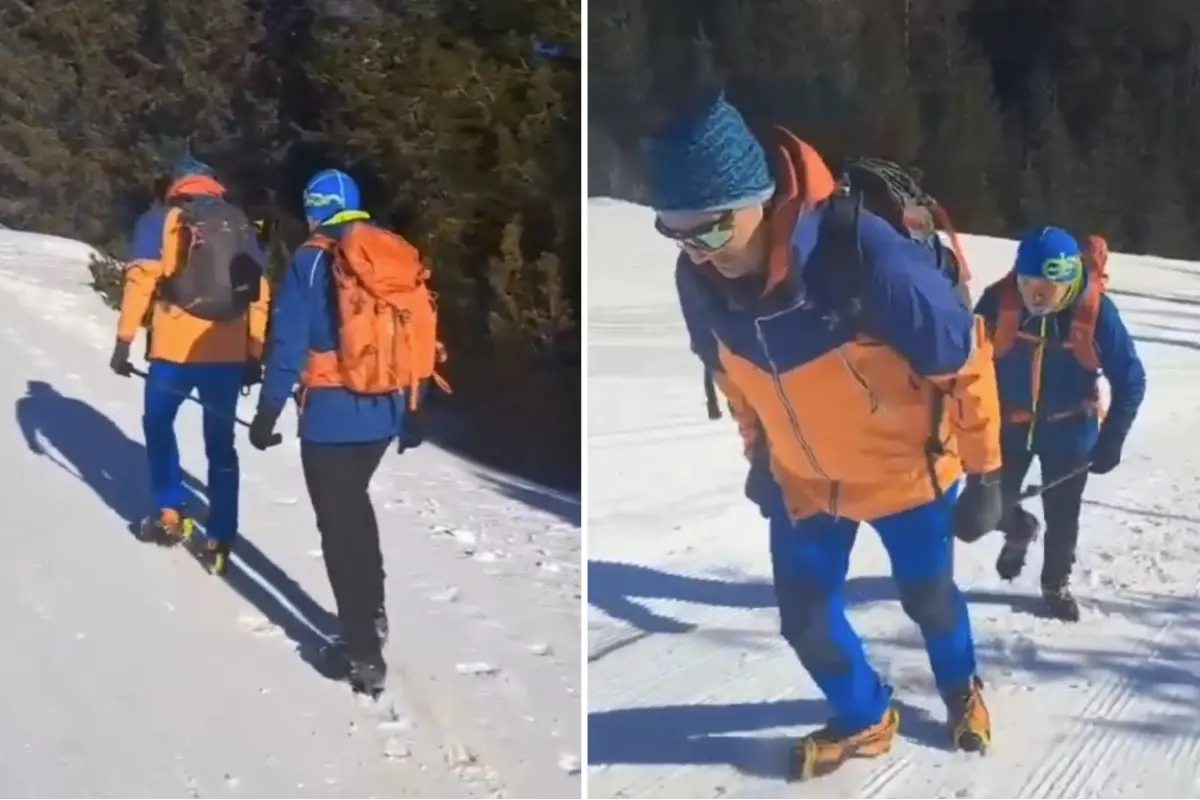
(387, 317)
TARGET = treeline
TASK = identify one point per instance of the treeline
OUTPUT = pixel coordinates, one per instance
(1084, 113)
(460, 119)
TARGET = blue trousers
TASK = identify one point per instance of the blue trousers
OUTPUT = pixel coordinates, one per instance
(810, 560)
(217, 387)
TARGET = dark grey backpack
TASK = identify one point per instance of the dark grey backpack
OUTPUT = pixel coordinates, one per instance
(221, 263)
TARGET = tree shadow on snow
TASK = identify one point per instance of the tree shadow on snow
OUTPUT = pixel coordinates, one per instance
(94, 449)
(613, 587)
(1184, 343)
(563, 505)
(1161, 669)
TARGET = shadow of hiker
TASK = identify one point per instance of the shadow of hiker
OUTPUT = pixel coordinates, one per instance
(95, 450)
(612, 587)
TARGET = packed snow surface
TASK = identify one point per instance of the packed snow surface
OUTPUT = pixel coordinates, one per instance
(692, 693)
(129, 671)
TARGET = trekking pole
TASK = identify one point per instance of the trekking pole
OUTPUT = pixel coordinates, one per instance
(1037, 489)
(276, 438)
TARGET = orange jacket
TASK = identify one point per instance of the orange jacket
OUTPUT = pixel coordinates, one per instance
(847, 418)
(175, 335)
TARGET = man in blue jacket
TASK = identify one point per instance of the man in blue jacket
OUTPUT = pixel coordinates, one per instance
(343, 436)
(1054, 332)
(838, 408)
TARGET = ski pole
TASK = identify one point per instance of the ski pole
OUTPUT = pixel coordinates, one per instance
(1037, 489)
(276, 438)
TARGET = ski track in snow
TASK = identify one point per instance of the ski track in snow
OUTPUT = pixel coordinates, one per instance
(692, 693)
(132, 672)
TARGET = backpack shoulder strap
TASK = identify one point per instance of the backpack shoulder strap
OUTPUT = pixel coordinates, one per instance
(1008, 317)
(1081, 339)
(840, 243)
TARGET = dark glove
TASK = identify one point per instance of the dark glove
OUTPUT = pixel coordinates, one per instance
(253, 374)
(980, 507)
(412, 431)
(119, 363)
(262, 430)
(1106, 455)
(761, 488)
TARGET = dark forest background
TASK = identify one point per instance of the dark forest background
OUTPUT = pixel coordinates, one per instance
(1082, 113)
(461, 119)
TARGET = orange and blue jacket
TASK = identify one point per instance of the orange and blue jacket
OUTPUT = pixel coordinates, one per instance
(1049, 393)
(846, 419)
(175, 335)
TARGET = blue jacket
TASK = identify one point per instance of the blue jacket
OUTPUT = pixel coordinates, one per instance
(1063, 384)
(303, 319)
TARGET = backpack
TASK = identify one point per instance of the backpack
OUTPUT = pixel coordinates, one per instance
(220, 268)
(887, 191)
(386, 315)
(892, 194)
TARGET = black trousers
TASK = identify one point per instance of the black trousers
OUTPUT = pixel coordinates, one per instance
(337, 476)
(1061, 505)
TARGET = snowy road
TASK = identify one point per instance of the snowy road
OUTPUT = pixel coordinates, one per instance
(692, 692)
(131, 672)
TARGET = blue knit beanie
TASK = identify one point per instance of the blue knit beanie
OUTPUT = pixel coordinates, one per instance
(708, 162)
(1043, 245)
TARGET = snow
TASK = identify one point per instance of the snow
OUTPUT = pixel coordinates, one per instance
(132, 672)
(692, 693)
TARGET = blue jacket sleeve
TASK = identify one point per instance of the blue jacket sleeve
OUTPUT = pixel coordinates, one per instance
(291, 312)
(147, 241)
(1122, 368)
(914, 308)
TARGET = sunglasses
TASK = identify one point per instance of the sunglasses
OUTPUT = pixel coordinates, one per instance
(709, 236)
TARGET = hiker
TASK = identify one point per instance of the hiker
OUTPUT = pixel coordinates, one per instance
(1054, 330)
(195, 259)
(835, 368)
(354, 326)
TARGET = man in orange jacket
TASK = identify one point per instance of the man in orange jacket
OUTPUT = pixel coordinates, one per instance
(838, 403)
(195, 259)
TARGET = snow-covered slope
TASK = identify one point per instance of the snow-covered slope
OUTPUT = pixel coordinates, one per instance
(129, 671)
(693, 694)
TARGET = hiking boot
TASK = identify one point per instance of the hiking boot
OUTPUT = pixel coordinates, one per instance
(1011, 560)
(969, 721)
(1019, 533)
(822, 751)
(368, 674)
(1060, 603)
(169, 528)
(216, 555)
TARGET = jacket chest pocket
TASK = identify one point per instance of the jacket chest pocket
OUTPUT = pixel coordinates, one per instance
(882, 375)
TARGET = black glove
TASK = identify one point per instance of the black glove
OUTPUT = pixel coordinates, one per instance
(253, 374)
(980, 507)
(119, 363)
(1106, 455)
(412, 429)
(262, 430)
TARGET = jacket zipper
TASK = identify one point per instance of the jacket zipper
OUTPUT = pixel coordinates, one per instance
(793, 420)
